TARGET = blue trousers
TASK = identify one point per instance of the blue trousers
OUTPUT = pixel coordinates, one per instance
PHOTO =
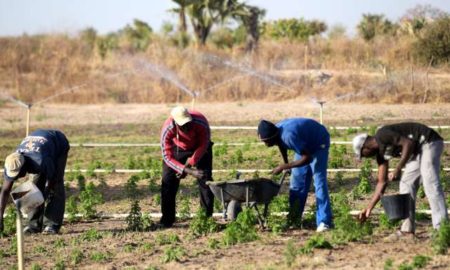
(301, 181)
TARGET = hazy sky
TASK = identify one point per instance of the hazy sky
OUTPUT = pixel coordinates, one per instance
(44, 16)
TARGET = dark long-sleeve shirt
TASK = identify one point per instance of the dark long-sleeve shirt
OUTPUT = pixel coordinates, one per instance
(41, 149)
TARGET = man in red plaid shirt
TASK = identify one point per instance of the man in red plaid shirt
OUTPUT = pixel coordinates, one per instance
(186, 149)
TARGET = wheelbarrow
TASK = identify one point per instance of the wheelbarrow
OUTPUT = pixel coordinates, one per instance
(249, 191)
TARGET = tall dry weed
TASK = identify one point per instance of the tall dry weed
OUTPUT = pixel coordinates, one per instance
(33, 68)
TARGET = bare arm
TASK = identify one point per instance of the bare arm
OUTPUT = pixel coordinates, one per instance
(4, 194)
(379, 190)
(305, 159)
(283, 152)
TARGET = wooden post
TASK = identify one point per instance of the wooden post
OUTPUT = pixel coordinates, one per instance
(411, 78)
(193, 103)
(306, 56)
(427, 83)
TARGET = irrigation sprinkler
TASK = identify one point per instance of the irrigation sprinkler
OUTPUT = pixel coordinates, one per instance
(321, 102)
(23, 105)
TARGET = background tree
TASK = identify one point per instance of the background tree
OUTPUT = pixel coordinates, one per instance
(205, 13)
(434, 44)
(181, 11)
(250, 17)
(372, 25)
(415, 19)
(293, 29)
(138, 35)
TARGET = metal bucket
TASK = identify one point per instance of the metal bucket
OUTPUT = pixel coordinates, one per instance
(28, 196)
(396, 206)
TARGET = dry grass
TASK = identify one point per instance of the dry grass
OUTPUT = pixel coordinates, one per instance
(35, 67)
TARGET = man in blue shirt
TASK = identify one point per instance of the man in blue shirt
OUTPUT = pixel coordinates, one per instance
(310, 141)
(44, 153)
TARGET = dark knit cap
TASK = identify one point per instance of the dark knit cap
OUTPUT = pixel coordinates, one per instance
(267, 130)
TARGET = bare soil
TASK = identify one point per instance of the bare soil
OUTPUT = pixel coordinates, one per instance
(130, 250)
(127, 250)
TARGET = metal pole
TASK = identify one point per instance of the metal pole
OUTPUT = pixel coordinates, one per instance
(19, 233)
(321, 110)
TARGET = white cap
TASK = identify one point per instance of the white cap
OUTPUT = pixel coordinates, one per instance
(13, 164)
(358, 143)
(181, 115)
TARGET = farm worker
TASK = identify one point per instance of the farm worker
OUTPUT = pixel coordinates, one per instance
(310, 141)
(185, 144)
(419, 148)
(43, 155)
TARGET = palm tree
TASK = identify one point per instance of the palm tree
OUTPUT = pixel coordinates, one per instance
(205, 13)
(181, 11)
(250, 16)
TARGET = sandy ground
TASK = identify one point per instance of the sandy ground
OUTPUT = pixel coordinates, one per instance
(14, 117)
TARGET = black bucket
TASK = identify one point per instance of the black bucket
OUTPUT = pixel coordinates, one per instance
(396, 206)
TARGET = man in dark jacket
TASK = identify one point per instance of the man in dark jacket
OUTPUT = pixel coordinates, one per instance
(419, 148)
(185, 144)
(44, 154)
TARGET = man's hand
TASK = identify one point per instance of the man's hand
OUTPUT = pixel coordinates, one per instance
(279, 169)
(194, 172)
(395, 175)
(364, 215)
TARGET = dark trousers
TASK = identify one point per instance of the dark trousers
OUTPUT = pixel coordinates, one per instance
(171, 182)
(51, 213)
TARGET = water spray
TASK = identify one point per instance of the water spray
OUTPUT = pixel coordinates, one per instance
(247, 70)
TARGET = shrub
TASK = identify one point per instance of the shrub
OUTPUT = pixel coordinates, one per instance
(165, 239)
(277, 223)
(89, 199)
(202, 224)
(385, 223)
(293, 29)
(315, 241)
(346, 227)
(134, 218)
(91, 235)
(440, 239)
(138, 35)
(76, 256)
(173, 253)
(434, 44)
(364, 176)
(72, 209)
(98, 256)
(241, 230)
(106, 44)
(420, 261)
(184, 207)
(9, 221)
(290, 253)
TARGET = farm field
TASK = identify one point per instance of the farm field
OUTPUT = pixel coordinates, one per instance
(90, 242)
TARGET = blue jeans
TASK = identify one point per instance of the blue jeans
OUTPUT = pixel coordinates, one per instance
(301, 181)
